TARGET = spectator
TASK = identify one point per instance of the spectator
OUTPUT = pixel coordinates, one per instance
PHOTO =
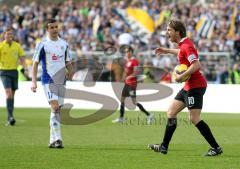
(235, 74)
(77, 18)
(236, 48)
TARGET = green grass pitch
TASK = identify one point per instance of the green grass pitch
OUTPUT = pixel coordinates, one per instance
(103, 145)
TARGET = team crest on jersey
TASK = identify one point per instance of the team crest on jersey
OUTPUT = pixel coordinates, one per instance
(62, 47)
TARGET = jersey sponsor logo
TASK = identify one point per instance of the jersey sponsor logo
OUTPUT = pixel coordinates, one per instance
(54, 57)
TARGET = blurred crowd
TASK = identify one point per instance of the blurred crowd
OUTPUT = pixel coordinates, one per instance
(76, 18)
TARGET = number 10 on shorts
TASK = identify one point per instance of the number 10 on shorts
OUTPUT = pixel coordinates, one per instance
(191, 100)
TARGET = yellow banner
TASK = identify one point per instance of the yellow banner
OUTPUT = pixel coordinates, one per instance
(142, 18)
(161, 18)
(200, 23)
(231, 32)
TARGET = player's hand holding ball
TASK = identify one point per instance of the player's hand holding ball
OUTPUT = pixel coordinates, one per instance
(178, 73)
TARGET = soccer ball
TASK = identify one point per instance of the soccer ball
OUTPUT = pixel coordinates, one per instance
(179, 69)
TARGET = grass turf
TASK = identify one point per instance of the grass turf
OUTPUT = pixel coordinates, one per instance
(103, 145)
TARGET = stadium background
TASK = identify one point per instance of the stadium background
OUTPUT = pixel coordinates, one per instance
(213, 26)
(91, 26)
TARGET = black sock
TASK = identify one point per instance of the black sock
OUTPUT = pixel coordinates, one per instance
(170, 128)
(122, 107)
(206, 133)
(142, 109)
(10, 104)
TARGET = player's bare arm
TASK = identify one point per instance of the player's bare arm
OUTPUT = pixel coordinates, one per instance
(34, 76)
(70, 72)
(162, 50)
(22, 61)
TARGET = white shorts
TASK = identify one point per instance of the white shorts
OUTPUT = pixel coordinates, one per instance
(55, 93)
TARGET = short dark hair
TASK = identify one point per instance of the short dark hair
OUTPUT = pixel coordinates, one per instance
(50, 21)
(178, 26)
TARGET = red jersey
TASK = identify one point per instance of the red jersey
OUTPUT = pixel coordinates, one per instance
(131, 66)
(187, 55)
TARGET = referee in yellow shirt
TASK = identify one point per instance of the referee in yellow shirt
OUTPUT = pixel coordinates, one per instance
(10, 54)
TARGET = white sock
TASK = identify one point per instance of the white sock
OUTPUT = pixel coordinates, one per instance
(55, 130)
(58, 127)
(52, 134)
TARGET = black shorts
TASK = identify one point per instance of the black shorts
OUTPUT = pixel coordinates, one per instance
(193, 98)
(9, 79)
(128, 91)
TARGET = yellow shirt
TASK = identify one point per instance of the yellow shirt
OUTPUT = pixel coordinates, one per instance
(9, 55)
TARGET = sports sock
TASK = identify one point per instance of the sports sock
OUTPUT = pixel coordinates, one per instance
(142, 109)
(58, 127)
(52, 133)
(122, 110)
(170, 128)
(10, 107)
(206, 133)
(55, 130)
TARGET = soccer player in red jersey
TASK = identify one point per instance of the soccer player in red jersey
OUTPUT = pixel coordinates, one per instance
(191, 95)
(130, 86)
